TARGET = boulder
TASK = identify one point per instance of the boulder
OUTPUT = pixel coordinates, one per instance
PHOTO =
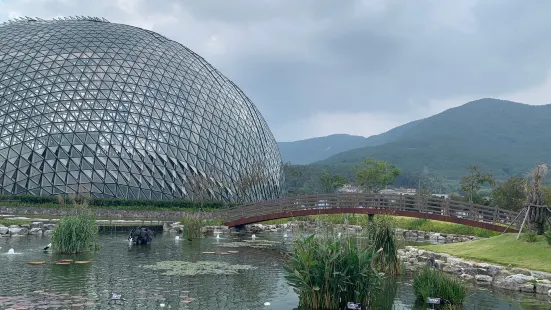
(37, 225)
(18, 231)
(4, 230)
(466, 276)
(543, 288)
(35, 231)
(514, 282)
(483, 278)
(541, 275)
(527, 288)
(522, 271)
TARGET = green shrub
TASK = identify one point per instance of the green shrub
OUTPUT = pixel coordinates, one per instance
(531, 236)
(192, 227)
(110, 203)
(547, 236)
(381, 236)
(13, 222)
(433, 283)
(328, 272)
(75, 233)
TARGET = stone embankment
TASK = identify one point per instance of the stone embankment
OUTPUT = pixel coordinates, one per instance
(508, 278)
(34, 228)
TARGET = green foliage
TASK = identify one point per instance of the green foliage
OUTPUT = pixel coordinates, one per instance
(75, 233)
(381, 234)
(112, 203)
(547, 236)
(326, 272)
(531, 236)
(331, 182)
(442, 227)
(373, 175)
(433, 283)
(13, 222)
(510, 194)
(472, 182)
(192, 227)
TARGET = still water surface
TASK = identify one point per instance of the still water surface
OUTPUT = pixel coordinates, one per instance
(117, 267)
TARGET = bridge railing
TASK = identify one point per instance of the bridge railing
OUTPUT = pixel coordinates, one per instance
(410, 203)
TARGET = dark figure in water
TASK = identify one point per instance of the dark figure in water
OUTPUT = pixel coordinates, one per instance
(141, 236)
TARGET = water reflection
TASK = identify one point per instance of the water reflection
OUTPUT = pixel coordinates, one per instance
(118, 268)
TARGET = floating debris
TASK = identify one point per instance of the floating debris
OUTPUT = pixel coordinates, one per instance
(181, 268)
(82, 262)
(257, 244)
(37, 263)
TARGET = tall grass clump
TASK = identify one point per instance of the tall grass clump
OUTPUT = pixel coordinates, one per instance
(433, 283)
(531, 236)
(77, 232)
(192, 227)
(381, 234)
(327, 273)
(548, 237)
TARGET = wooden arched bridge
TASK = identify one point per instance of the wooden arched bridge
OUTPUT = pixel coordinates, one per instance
(434, 208)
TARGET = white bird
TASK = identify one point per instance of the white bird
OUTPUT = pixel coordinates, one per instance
(130, 240)
(47, 247)
(177, 238)
(253, 237)
(267, 303)
(217, 236)
(11, 251)
(339, 235)
(285, 235)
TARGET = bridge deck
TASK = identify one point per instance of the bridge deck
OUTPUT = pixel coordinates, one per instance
(434, 208)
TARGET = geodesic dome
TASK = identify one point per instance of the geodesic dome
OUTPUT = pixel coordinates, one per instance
(118, 111)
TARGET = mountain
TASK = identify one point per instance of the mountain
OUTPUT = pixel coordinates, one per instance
(308, 151)
(505, 137)
(311, 150)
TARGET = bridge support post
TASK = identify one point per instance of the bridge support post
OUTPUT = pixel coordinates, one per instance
(370, 217)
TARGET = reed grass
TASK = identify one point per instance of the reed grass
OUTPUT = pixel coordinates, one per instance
(531, 236)
(433, 283)
(328, 272)
(75, 233)
(381, 234)
(192, 227)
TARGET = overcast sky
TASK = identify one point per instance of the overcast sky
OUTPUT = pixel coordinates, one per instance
(318, 67)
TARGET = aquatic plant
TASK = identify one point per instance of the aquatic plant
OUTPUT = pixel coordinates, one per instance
(326, 273)
(192, 227)
(182, 268)
(77, 232)
(381, 234)
(433, 283)
(258, 244)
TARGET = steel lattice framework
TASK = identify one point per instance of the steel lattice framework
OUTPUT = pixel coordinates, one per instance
(119, 111)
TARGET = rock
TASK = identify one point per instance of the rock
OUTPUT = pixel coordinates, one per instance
(513, 282)
(541, 275)
(37, 225)
(4, 230)
(48, 226)
(466, 276)
(527, 288)
(14, 226)
(483, 278)
(28, 226)
(549, 293)
(47, 232)
(523, 271)
(35, 231)
(15, 230)
(543, 288)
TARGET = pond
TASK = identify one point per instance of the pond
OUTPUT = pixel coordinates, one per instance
(121, 268)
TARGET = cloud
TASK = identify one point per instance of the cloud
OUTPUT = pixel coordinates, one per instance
(385, 60)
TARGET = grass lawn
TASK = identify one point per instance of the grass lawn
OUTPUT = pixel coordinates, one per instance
(502, 250)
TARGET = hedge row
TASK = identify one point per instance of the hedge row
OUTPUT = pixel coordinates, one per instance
(115, 202)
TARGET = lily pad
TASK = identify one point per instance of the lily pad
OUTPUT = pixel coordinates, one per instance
(181, 268)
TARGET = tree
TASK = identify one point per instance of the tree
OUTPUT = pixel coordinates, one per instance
(535, 201)
(331, 182)
(472, 182)
(510, 194)
(292, 175)
(374, 175)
